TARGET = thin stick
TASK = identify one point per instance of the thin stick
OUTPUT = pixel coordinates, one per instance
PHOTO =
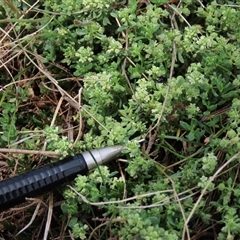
(32, 218)
(160, 203)
(80, 130)
(49, 216)
(57, 110)
(25, 151)
(24, 139)
(20, 81)
(201, 4)
(204, 190)
(124, 181)
(176, 197)
(175, 9)
(118, 201)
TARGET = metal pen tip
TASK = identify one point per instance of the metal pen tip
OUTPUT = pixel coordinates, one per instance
(96, 157)
(101, 156)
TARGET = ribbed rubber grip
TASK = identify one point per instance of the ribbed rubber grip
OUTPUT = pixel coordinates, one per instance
(14, 190)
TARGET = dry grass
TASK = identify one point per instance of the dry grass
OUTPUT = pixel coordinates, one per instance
(24, 69)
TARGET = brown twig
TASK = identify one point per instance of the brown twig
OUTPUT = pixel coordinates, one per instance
(25, 151)
(80, 129)
(152, 138)
(49, 216)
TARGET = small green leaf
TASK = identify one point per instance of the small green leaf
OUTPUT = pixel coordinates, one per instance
(154, 220)
(185, 126)
(180, 57)
(113, 14)
(72, 222)
(106, 21)
(191, 136)
(199, 133)
(133, 5)
(122, 28)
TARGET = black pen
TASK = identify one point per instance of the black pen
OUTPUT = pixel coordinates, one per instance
(14, 190)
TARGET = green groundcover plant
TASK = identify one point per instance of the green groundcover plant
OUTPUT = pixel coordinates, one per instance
(167, 71)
